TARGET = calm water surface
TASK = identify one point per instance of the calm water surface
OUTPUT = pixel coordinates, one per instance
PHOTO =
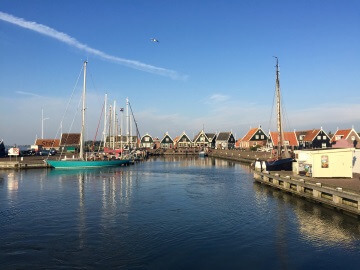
(166, 214)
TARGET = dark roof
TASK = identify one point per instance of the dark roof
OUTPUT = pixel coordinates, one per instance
(70, 139)
(147, 135)
(223, 136)
(211, 136)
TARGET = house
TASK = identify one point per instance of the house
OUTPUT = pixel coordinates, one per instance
(290, 140)
(212, 139)
(156, 143)
(349, 135)
(253, 138)
(313, 138)
(182, 141)
(70, 142)
(201, 140)
(225, 140)
(48, 144)
(167, 142)
(147, 141)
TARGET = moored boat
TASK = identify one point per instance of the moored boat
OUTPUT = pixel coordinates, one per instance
(81, 162)
(281, 160)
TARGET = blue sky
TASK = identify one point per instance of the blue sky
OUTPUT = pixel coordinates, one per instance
(213, 66)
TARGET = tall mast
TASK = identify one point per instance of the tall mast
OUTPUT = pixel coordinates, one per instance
(127, 123)
(82, 134)
(279, 116)
(114, 125)
(105, 114)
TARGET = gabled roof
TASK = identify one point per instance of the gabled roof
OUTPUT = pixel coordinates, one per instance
(167, 135)
(249, 134)
(199, 134)
(223, 136)
(184, 134)
(344, 133)
(48, 142)
(147, 135)
(288, 136)
(311, 135)
(70, 139)
(211, 136)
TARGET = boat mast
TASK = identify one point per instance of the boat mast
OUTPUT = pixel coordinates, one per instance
(83, 116)
(278, 109)
(127, 123)
(279, 116)
(105, 114)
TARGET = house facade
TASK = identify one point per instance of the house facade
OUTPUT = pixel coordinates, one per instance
(201, 140)
(254, 137)
(350, 135)
(225, 140)
(122, 142)
(147, 141)
(167, 142)
(314, 138)
(183, 141)
(212, 139)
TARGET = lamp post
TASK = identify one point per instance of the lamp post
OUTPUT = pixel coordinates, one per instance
(42, 123)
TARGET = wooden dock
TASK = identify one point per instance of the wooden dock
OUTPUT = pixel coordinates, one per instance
(347, 201)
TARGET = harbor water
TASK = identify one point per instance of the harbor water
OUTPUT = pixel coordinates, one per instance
(173, 213)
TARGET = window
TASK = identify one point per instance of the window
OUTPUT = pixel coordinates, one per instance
(167, 139)
(262, 137)
(353, 138)
(323, 145)
(257, 137)
(301, 137)
(324, 137)
(286, 143)
(146, 139)
(338, 137)
(319, 137)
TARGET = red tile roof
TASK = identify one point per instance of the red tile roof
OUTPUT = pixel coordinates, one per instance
(311, 134)
(250, 134)
(288, 136)
(48, 142)
(341, 132)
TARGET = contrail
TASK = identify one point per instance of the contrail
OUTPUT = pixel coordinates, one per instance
(27, 93)
(50, 32)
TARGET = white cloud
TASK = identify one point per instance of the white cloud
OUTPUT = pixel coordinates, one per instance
(65, 38)
(217, 98)
(27, 94)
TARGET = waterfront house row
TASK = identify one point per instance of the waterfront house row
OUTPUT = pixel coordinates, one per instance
(222, 140)
(306, 139)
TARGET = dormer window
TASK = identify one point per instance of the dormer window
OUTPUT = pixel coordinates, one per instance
(337, 137)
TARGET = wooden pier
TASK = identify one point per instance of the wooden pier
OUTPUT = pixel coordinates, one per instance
(343, 200)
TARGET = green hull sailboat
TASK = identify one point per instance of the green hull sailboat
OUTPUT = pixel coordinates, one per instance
(81, 162)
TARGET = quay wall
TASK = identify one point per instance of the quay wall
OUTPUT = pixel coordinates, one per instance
(238, 155)
(347, 201)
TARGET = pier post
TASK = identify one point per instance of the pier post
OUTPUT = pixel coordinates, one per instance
(286, 185)
(299, 188)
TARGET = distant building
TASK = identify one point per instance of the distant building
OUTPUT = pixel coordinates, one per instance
(70, 142)
(147, 141)
(167, 142)
(313, 138)
(349, 135)
(182, 141)
(253, 138)
(201, 140)
(225, 140)
(48, 143)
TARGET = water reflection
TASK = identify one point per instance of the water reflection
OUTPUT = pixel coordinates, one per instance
(316, 224)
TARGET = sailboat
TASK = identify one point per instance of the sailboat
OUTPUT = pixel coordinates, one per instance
(281, 160)
(83, 162)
